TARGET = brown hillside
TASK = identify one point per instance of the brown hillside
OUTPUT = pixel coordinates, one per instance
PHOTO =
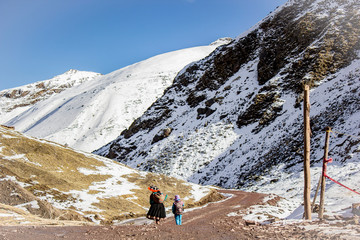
(43, 177)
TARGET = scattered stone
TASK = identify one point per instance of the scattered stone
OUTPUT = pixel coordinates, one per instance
(338, 217)
(355, 220)
(327, 217)
(355, 209)
(251, 223)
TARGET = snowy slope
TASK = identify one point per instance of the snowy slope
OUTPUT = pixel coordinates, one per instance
(344, 149)
(234, 119)
(91, 114)
(17, 100)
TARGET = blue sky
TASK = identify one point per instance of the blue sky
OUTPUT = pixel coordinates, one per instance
(40, 39)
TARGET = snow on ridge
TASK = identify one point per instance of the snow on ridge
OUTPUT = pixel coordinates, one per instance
(72, 76)
(221, 41)
(93, 113)
(17, 100)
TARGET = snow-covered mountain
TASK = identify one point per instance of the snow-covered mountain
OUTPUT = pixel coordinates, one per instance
(235, 118)
(17, 100)
(94, 112)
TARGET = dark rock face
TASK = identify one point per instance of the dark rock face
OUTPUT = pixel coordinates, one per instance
(317, 44)
(257, 111)
(204, 112)
(163, 134)
(30, 98)
(243, 85)
(161, 112)
(224, 63)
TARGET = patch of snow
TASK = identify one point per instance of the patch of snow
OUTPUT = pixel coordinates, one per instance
(33, 204)
(197, 191)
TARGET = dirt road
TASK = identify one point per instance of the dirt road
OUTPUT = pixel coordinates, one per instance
(210, 222)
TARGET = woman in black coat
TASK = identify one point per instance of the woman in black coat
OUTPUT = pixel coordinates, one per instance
(157, 208)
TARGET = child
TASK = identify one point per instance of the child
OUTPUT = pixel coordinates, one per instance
(178, 209)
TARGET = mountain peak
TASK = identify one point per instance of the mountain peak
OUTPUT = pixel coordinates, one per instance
(222, 41)
(71, 71)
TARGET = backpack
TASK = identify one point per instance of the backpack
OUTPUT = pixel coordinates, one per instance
(179, 208)
(159, 198)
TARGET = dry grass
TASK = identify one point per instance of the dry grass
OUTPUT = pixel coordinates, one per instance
(48, 163)
(168, 185)
(12, 216)
(51, 170)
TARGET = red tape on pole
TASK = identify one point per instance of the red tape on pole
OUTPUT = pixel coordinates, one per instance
(340, 184)
(329, 160)
(325, 175)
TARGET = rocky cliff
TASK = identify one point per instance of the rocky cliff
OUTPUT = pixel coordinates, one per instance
(235, 116)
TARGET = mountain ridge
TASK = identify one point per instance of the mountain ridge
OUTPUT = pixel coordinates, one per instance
(90, 114)
(19, 99)
(249, 93)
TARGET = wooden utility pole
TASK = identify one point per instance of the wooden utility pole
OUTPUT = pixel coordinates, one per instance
(307, 132)
(322, 191)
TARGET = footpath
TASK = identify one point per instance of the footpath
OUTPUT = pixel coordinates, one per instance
(210, 222)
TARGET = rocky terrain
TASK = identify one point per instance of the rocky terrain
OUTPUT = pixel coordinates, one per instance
(234, 119)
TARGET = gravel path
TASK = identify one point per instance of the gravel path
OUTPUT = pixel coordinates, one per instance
(209, 222)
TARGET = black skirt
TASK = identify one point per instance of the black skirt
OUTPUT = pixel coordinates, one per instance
(157, 210)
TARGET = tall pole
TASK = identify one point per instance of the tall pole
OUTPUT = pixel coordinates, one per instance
(322, 190)
(307, 201)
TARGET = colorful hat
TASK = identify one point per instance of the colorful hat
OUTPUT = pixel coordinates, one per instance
(177, 198)
(154, 188)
